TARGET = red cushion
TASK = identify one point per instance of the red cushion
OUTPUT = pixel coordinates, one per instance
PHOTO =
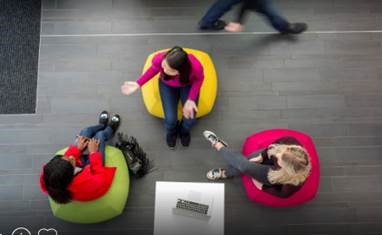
(309, 188)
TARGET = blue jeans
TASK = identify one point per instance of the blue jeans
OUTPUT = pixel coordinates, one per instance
(265, 8)
(170, 98)
(217, 10)
(101, 133)
(238, 164)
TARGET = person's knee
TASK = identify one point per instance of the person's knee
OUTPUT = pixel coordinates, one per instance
(85, 132)
(100, 136)
(243, 168)
(171, 121)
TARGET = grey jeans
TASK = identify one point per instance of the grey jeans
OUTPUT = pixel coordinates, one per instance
(238, 164)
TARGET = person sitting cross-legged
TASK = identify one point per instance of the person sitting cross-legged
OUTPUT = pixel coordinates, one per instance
(279, 169)
(73, 176)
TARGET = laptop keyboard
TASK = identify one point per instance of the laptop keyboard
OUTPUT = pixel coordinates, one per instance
(192, 206)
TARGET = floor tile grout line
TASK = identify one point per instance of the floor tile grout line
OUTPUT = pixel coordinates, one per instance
(204, 34)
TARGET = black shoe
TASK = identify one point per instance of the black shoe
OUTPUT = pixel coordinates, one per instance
(185, 139)
(171, 140)
(103, 118)
(114, 122)
(217, 25)
(296, 28)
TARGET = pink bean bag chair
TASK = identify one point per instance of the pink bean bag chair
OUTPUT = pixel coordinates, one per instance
(309, 188)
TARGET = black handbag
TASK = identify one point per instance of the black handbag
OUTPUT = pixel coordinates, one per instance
(137, 161)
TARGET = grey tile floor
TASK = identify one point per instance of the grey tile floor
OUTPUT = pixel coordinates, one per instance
(328, 85)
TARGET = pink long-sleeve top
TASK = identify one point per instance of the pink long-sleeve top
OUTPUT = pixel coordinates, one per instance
(196, 75)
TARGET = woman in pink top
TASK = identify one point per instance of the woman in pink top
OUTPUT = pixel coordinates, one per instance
(181, 76)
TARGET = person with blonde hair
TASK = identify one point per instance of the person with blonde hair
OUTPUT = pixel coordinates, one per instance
(280, 169)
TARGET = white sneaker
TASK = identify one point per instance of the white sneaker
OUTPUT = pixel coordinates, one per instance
(216, 174)
(213, 139)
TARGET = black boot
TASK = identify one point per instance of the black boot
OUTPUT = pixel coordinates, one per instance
(185, 136)
(171, 140)
(115, 122)
(103, 118)
(217, 25)
(296, 28)
(185, 139)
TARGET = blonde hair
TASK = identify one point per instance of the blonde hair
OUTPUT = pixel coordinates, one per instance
(296, 164)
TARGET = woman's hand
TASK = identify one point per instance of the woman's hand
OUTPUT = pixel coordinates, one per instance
(258, 159)
(189, 108)
(258, 184)
(93, 145)
(129, 87)
(82, 142)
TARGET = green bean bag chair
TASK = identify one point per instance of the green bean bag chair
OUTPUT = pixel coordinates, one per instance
(104, 208)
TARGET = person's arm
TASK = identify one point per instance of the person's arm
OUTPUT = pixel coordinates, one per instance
(258, 158)
(95, 157)
(73, 151)
(197, 81)
(152, 71)
(96, 164)
(258, 184)
(42, 184)
(129, 87)
(76, 150)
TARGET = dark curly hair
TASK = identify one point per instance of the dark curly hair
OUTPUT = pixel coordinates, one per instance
(58, 174)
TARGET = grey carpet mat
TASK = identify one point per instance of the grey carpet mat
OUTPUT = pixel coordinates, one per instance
(19, 50)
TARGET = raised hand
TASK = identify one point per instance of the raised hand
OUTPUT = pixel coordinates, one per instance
(129, 87)
(189, 109)
(82, 142)
(93, 145)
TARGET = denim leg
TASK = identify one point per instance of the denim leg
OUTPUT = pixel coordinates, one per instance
(103, 136)
(231, 171)
(277, 21)
(91, 130)
(242, 164)
(217, 10)
(170, 98)
(186, 123)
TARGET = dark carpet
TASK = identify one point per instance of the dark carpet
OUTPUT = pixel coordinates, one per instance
(19, 50)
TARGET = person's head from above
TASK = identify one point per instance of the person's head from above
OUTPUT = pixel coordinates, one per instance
(293, 162)
(58, 174)
(175, 63)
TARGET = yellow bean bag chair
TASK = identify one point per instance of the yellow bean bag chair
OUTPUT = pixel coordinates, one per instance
(207, 94)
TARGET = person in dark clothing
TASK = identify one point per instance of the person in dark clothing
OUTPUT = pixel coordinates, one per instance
(265, 8)
(280, 169)
(211, 20)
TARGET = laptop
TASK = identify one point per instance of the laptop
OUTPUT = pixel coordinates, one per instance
(193, 204)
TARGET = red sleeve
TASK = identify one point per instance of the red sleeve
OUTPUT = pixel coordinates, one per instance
(75, 152)
(96, 164)
(198, 78)
(153, 70)
(42, 184)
